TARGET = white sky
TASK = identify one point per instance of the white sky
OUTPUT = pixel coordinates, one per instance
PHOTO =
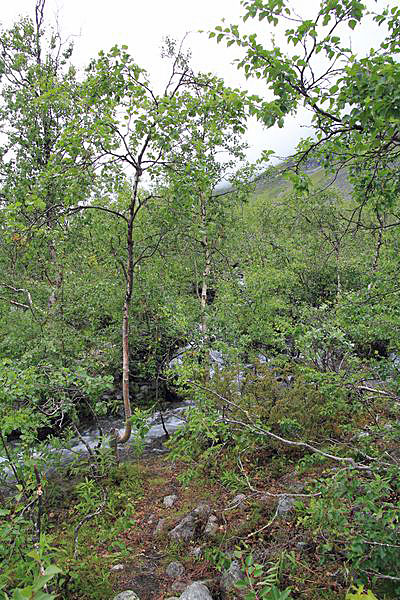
(141, 24)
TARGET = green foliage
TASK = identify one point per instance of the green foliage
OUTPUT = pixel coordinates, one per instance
(300, 274)
(35, 591)
(358, 593)
(260, 582)
(32, 568)
(358, 515)
(141, 425)
(365, 138)
(89, 496)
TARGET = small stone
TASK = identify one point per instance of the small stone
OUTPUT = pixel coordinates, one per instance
(238, 500)
(211, 527)
(291, 483)
(117, 568)
(196, 591)
(185, 530)
(300, 546)
(197, 552)
(127, 595)
(191, 523)
(175, 569)
(172, 598)
(159, 527)
(285, 505)
(169, 501)
(151, 518)
(203, 510)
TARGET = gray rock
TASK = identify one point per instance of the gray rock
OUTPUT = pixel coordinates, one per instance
(360, 435)
(160, 527)
(231, 576)
(175, 569)
(169, 501)
(285, 505)
(238, 500)
(211, 527)
(185, 530)
(127, 595)
(117, 568)
(300, 546)
(203, 510)
(196, 591)
(172, 598)
(197, 552)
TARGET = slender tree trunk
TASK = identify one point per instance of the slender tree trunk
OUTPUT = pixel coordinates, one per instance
(125, 373)
(122, 439)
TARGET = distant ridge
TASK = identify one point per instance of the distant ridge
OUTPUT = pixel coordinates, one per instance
(274, 180)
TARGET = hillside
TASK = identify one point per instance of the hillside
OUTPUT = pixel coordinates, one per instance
(276, 185)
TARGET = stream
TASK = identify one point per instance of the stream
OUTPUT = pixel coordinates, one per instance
(52, 454)
(172, 417)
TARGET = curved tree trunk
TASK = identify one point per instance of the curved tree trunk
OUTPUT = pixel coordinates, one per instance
(122, 439)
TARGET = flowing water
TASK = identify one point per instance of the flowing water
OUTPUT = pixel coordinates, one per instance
(169, 420)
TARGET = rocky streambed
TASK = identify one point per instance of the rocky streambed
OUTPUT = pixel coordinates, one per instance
(50, 455)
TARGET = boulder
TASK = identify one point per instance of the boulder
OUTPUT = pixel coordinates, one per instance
(196, 591)
(202, 510)
(185, 530)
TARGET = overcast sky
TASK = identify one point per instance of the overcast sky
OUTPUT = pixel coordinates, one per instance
(142, 24)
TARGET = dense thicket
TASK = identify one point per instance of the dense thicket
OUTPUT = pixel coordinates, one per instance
(125, 205)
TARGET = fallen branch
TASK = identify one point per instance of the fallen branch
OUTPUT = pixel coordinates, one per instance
(266, 433)
(380, 576)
